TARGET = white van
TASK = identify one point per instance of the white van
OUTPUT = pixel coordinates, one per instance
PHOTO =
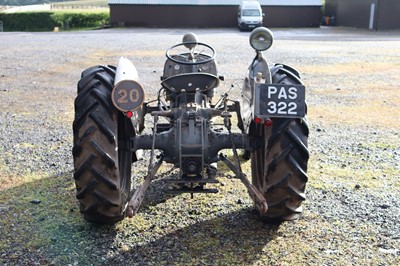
(250, 15)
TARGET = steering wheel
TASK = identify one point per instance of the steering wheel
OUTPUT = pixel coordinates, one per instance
(193, 57)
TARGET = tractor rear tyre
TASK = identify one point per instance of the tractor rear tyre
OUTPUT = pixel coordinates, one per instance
(279, 160)
(102, 158)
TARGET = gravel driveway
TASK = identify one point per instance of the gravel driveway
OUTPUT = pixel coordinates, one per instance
(352, 211)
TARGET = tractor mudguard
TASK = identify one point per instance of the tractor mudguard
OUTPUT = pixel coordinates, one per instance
(254, 101)
(258, 71)
(128, 97)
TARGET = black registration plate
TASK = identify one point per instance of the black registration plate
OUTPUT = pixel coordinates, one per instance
(280, 100)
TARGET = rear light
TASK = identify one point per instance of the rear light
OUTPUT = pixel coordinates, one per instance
(268, 122)
(258, 120)
(129, 114)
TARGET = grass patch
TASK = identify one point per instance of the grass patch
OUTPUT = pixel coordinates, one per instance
(367, 161)
(379, 115)
(343, 100)
(29, 199)
(329, 176)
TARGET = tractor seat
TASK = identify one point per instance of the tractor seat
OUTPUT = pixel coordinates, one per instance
(190, 82)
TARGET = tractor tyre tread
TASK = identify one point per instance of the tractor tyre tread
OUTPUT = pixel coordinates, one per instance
(102, 187)
(279, 166)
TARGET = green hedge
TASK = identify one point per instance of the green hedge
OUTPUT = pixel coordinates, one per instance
(80, 20)
(32, 21)
(46, 21)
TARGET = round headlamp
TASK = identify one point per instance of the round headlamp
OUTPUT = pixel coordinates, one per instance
(261, 39)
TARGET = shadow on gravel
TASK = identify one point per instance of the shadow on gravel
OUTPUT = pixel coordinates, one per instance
(229, 239)
(40, 224)
(158, 192)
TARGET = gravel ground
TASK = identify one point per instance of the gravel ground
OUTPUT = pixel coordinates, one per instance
(352, 212)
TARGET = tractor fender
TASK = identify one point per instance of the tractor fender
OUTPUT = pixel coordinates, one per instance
(128, 96)
(278, 73)
(258, 71)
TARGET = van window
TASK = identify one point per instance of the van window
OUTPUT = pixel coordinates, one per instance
(251, 13)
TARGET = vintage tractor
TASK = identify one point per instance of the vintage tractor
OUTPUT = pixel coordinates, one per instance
(109, 132)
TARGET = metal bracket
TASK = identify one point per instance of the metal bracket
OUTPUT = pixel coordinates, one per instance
(138, 196)
(255, 194)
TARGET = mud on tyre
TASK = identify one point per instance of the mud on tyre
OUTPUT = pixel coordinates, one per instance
(102, 159)
(279, 160)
